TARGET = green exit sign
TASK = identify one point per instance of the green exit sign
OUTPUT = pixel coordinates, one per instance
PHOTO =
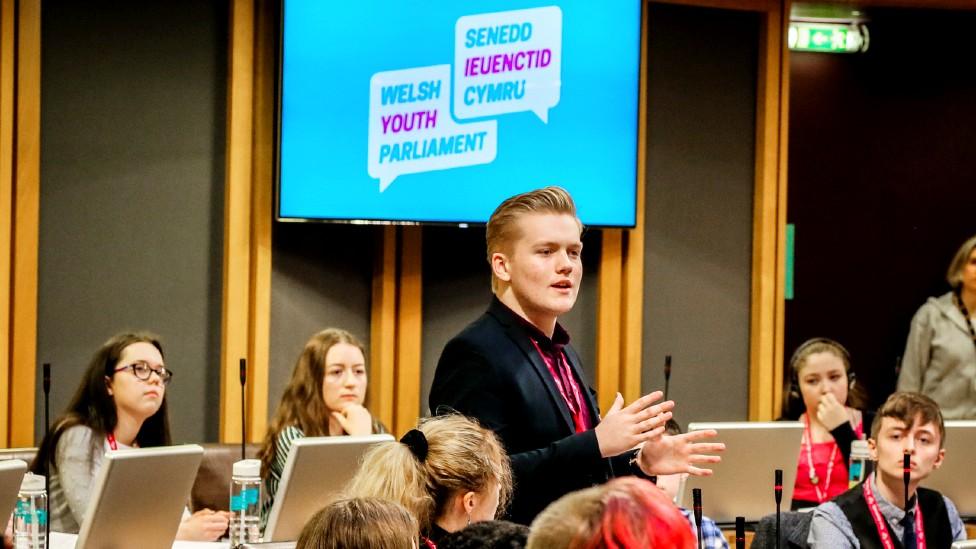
(828, 37)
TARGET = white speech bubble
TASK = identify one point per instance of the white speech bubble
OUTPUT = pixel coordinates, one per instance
(508, 61)
(411, 129)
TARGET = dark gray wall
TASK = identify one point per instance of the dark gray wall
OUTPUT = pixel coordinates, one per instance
(904, 200)
(132, 173)
(457, 289)
(321, 277)
(701, 132)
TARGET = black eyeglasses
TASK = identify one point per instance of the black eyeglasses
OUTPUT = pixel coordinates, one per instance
(143, 371)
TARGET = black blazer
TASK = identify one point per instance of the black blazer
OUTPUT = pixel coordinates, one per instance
(492, 372)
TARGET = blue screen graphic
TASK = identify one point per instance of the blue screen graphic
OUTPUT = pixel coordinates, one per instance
(436, 111)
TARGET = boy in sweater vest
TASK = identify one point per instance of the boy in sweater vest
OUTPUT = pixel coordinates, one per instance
(873, 514)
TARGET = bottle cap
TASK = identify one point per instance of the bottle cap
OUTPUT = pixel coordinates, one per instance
(247, 468)
(32, 483)
(860, 450)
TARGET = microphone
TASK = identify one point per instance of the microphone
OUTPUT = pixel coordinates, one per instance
(47, 427)
(667, 375)
(740, 532)
(907, 475)
(697, 506)
(778, 491)
(243, 411)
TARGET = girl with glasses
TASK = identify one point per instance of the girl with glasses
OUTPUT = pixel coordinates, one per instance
(120, 403)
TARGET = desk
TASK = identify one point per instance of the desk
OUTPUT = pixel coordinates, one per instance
(67, 541)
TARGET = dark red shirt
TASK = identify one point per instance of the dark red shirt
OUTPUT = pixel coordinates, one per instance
(551, 351)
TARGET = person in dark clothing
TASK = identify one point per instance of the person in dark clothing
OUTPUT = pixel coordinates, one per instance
(515, 371)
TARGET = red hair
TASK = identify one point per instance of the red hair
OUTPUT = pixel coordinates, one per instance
(637, 514)
(625, 513)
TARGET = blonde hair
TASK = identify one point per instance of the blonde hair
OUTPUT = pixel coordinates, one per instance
(502, 227)
(954, 275)
(624, 513)
(302, 405)
(360, 523)
(462, 456)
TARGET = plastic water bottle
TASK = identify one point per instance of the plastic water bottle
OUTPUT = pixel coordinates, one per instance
(30, 514)
(861, 464)
(245, 501)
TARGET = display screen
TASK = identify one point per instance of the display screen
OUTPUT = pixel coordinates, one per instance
(436, 111)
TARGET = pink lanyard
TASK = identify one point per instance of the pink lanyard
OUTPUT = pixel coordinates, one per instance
(111, 441)
(814, 480)
(881, 524)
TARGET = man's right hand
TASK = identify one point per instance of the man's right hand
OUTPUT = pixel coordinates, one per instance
(625, 428)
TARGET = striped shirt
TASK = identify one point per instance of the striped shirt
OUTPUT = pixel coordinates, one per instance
(283, 444)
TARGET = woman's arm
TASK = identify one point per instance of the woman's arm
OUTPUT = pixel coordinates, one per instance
(844, 435)
(916, 357)
(75, 469)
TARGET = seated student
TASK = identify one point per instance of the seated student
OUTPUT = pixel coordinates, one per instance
(624, 513)
(360, 523)
(822, 382)
(324, 397)
(488, 534)
(121, 403)
(873, 514)
(448, 472)
(712, 536)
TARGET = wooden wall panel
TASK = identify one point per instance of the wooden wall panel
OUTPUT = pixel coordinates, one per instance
(234, 322)
(248, 215)
(766, 322)
(26, 208)
(6, 204)
(382, 339)
(409, 336)
(609, 326)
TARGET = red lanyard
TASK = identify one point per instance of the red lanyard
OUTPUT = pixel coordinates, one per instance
(111, 441)
(814, 480)
(882, 525)
(430, 544)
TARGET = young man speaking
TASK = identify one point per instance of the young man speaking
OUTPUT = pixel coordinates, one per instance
(514, 370)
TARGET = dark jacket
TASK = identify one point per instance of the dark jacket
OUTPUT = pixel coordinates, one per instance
(492, 372)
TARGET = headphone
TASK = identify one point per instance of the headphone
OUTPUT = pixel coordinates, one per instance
(798, 355)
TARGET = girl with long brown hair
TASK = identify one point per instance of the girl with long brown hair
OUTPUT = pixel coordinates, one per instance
(120, 403)
(324, 397)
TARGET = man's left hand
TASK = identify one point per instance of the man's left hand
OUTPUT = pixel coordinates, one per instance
(672, 454)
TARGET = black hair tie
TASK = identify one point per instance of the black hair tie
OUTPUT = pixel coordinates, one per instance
(417, 442)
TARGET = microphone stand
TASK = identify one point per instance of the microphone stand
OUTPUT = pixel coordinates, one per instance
(667, 375)
(47, 467)
(907, 477)
(243, 417)
(778, 491)
(740, 532)
(696, 496)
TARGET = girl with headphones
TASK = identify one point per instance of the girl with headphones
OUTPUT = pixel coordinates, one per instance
(822, 379)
